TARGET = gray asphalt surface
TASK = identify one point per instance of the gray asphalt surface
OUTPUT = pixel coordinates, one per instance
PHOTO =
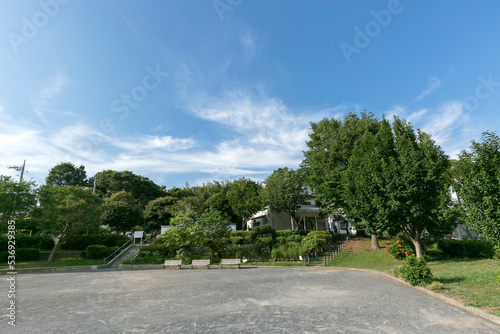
(252, 300)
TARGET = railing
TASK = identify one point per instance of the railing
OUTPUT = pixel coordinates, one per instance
(116, 251)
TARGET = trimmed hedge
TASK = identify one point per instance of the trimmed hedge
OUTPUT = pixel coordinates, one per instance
(41, 242)
(79, 242)
(156, 251)
(467, 248)
(22, 254)
(98, 251)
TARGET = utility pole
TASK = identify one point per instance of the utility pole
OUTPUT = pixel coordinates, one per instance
(19, 169)
(95, 178)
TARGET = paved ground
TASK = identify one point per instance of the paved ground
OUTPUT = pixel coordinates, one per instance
(251, 300)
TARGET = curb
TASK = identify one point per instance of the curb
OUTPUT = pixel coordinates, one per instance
(474, 310)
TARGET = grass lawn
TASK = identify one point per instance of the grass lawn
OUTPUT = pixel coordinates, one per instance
(55, 263)
(474, 282)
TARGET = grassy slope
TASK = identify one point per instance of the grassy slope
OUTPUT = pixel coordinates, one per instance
(474, 282)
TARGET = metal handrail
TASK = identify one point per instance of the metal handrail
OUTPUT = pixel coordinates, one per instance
(116, 251)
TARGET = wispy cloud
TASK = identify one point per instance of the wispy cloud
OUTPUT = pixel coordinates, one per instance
(434, 84)
(45, 100)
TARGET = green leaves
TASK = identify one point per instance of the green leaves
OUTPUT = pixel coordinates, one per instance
(284, 190)
(67, 174)
(16, 199)
(121, 212)
(477, 182)
(68, 210)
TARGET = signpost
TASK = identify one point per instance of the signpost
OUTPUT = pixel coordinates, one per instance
(138, 235)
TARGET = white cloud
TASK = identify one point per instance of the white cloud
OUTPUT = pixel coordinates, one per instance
(415, 116)
(45, 100)
(434, 84)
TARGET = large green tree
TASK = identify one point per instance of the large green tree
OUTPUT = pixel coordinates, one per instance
(67, 174)
(330, 146)
(121, 212)
(142, 189)
(477, 182)
(17, 199)
(158, 212)
(368, 182)
(421, 194)
(244, 199)
(284, 191)
(66, 211)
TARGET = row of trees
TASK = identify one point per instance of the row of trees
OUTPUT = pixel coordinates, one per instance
(385, 177)
(389, 179)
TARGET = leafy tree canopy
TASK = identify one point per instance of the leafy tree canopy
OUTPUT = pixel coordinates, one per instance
(477, 182)
(17, 199)
(284, 191)
(141, 188)
(158, 212)
(121, 212)
(330, 146)
(67, 210)
(244, 198)
(67, 174)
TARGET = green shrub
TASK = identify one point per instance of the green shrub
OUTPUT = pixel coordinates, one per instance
(79, 242)
(41, 242)
(185, 255)
(324, 236)
(156, 250)
(263, 231)
(287, 252)
(398, 248)
(467, 248)
(415, 271)
(311, 244)
(22, 254)
(287, 233)
(235, 240)
(98, 251)
(240, 233)
(297, 238)
(145, 260)
(240, 251)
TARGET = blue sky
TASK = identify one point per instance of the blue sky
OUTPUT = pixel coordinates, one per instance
(194, 91)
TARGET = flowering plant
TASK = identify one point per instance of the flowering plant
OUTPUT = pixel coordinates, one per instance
(398, 248)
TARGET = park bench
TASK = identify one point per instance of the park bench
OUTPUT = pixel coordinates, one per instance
(200, 263)
(227, 262)
(173, 263)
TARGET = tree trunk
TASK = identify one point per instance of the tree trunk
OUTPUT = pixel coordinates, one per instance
(58, 241)
(375, 244)
(53, 252)
(418, 248)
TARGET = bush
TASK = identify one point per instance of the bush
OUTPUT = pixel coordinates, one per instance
(263, 231)
(240, 233)
(22, 254)
(79, 242)
(145, 260)
(156, 251)
(41, 242)
(235, 240)
(415, 271)
(98, 251)
(287, 252)
(467, 248)
(398, 248)
(310, 244)
(287, 233)
(324, 236)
